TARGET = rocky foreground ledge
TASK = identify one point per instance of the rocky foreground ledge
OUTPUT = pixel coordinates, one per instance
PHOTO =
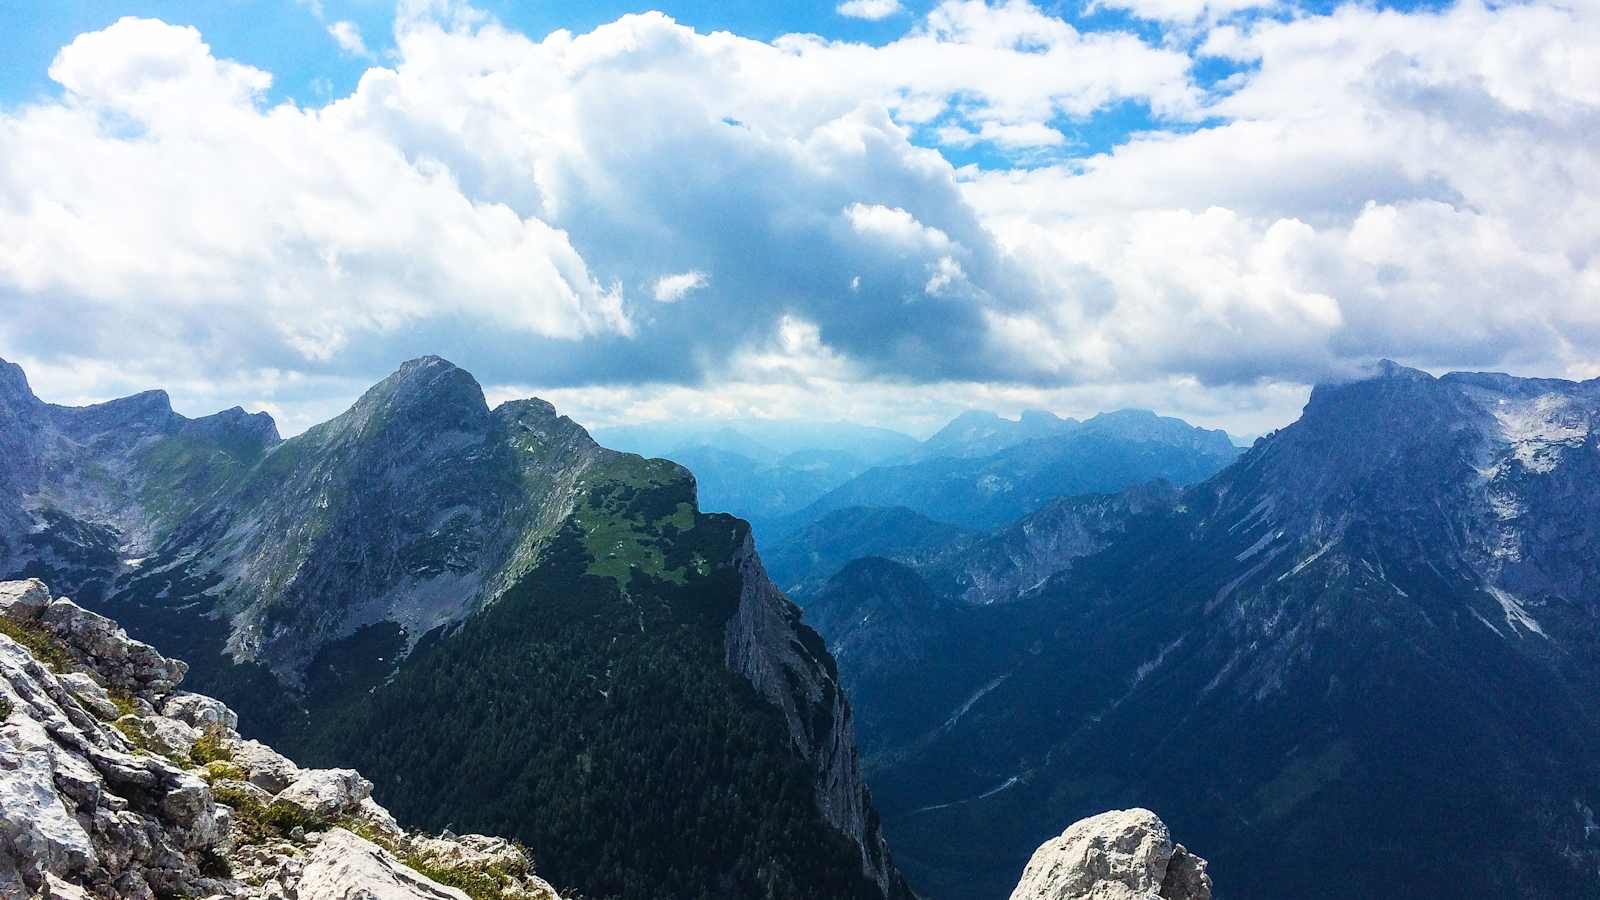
(115, 784)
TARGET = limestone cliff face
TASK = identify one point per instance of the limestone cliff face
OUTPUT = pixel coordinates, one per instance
(789, 665)
(115, 784)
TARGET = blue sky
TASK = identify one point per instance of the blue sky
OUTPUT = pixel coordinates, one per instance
(1196, 206)
(290, 39)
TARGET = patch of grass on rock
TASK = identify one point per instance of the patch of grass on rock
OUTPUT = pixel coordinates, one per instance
(211, 748)
(42, 644)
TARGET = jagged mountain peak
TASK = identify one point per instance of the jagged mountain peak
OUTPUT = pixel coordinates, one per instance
(427, 378)
(425, 395)
(244, 434)
(529, 408)
(144, 409)
(1388, 368)
(14, 387)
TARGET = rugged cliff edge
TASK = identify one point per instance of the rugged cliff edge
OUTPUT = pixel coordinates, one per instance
(115, 784)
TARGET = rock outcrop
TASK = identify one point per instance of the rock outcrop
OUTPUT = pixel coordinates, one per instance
(102, 795)
(1124, 854)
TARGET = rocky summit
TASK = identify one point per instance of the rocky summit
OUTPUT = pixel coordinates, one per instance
(117, 784)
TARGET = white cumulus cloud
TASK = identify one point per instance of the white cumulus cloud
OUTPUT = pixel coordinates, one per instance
(348, 36)
(1423, 185)
(672, 288)
(871, 10)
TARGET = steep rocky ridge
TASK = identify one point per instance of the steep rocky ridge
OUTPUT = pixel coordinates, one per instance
(304, 576)
(86, 493)
(1371, 639)
(116, 784)
(1022, 557)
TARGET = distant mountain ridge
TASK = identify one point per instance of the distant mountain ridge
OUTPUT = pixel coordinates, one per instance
(133, 467)
(980, 433)
(1106, 453)
(423, 555)
(1372, 637)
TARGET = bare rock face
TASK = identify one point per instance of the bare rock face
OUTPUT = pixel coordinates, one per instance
(1119, 855)
(801, 679)
(23, 599)
(345, 865)
(327, 793)
(99, 802)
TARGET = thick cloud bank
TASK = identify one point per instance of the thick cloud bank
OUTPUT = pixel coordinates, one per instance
(653, 219)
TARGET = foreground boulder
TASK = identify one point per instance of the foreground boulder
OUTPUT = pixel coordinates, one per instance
(1119, 855)
(101, 796)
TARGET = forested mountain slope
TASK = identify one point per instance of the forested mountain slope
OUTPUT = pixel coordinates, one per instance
(422, 533)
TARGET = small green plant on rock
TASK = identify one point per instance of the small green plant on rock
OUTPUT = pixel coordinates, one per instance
(123, 701)
(478, 882)
(42, 644)
(211, 748)
(222, 770)
(258, 822)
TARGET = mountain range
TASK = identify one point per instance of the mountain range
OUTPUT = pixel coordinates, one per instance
(1367, 646)
(977, 489)
(979, 471)
(506, 626)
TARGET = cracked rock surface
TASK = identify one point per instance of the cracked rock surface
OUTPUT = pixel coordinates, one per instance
(115, 784)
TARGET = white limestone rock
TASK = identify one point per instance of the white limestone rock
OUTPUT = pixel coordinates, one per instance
(76, 805)
(159, 734)
(90, 694)
(86, 816)
(345, 866)
(1119, 855)
(22, 601)
(478, 853)
(378, 820)
(100, 644)
(38, 832)
(264, 767)
(327, 793)
(201, 712)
